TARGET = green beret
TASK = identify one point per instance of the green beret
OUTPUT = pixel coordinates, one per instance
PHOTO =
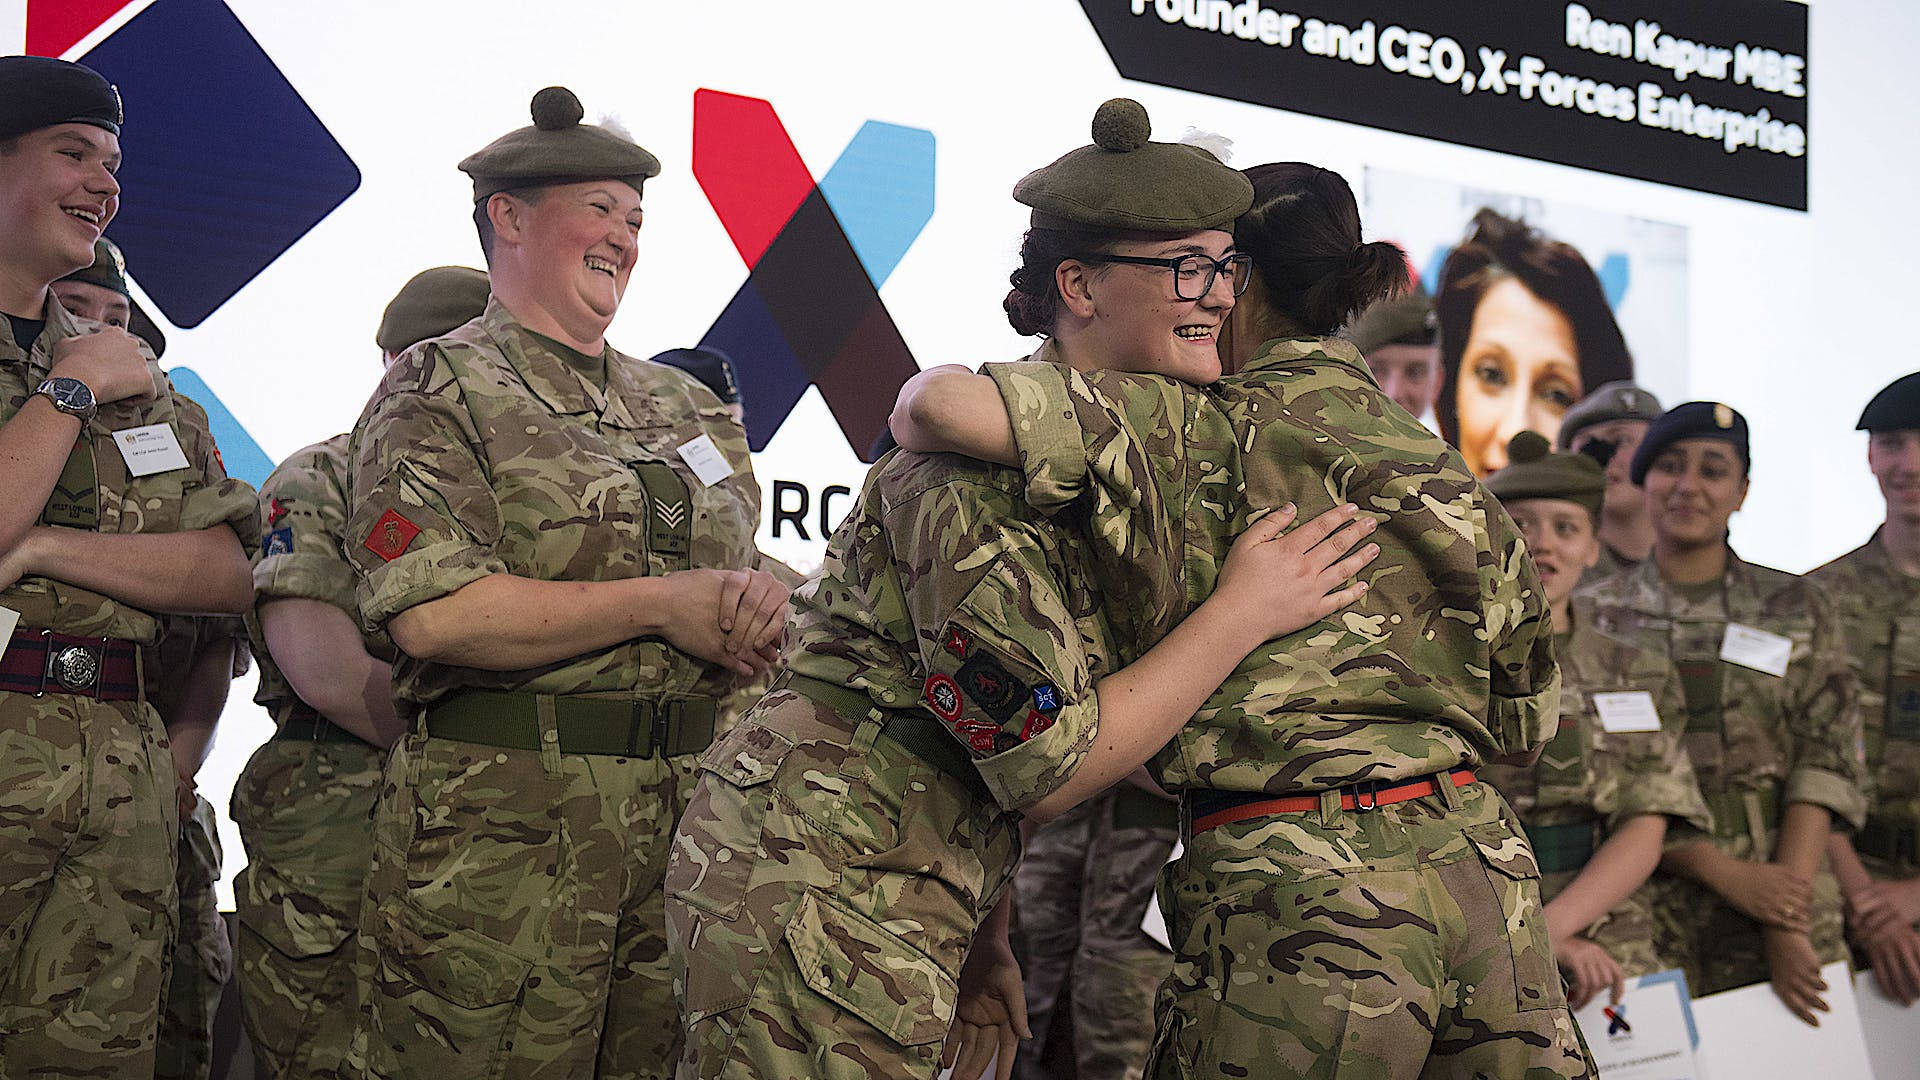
(431, 303)
(1897, 408)
(1610, 401)
(1694, 420)
(38, 92)
(109, 271)
(557, 149)
(711, 366)
(1407, 319)
(1537, 473)
(1122, 181)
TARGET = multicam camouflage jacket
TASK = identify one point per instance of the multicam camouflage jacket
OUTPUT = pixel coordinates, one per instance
(492, 450)
(1879, 611)
(98, 492)
(1447, 660)
(1793, 736)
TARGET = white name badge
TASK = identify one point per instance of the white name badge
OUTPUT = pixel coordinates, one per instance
(706, 460)
(151, 449)
(1624, 711)
(1756, 649)
(8, 620)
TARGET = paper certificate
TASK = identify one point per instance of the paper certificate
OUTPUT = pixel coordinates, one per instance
(1749, 1033)
(1648, 1036)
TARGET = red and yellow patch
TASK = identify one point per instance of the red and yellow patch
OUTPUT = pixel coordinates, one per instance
(390, 536)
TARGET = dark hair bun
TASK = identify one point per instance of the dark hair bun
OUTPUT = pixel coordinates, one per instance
(1121, 125)
(555, 108)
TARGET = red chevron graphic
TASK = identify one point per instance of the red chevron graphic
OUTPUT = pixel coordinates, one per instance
(54, 26)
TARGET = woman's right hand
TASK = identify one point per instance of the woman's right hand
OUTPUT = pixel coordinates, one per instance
(692, 619)
(1278, 583)
(1769, 894)
(108, 360)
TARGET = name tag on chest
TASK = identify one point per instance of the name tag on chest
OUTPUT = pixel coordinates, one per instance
(151, 449)
(1625, 711)
(1756, 649)
(706, 460)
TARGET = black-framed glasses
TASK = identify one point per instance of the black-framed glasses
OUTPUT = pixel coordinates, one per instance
(1193, 275)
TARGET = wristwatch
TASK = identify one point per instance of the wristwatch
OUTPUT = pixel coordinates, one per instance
(70, 396)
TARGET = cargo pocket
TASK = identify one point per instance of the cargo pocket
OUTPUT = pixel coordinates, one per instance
(858, 965)
(1515, 878)
(445, 998)
(718, 840)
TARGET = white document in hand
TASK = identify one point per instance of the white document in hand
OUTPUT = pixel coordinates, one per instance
(1648, 1036)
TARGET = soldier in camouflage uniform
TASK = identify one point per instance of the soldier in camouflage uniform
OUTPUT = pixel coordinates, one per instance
(1350, 900)
(1614, 782)
(1084, 883)
(548, 530)
(1876, 588)
(90, 554)
(1772, 721)
(305, 798)
(1608, 425)
(835, 886)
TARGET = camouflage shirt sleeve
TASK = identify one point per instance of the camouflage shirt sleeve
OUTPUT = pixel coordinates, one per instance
(212, 497)
(423, 520)
(1523, 709)
(306, 514)
(1009, 671)
(1829, 757)
(1656, 775)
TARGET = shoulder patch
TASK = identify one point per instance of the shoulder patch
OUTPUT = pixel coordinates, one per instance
(390, 535)
(991, 686)
(278, 542)
(277, 511)
(943, 695)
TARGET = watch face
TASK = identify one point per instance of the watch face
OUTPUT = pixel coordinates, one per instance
(73, 394)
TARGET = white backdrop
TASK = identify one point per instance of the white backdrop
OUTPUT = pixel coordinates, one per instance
(1790, 315)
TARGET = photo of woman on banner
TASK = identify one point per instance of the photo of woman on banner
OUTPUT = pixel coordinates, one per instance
(1525, 331)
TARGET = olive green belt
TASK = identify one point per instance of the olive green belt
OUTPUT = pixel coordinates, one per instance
(610, 726)
(1733, 813)
(1558, 848)
(1885, 838)
(303, 724)
(918, 733)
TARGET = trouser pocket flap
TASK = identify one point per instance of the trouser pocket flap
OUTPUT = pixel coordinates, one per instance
(452, 963)
(1504, 850)
(857, 964)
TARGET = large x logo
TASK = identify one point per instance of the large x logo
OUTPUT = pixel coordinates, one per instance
(810, 311)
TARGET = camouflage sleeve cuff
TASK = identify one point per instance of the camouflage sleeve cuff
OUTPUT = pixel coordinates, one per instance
(1519, 724)
(1052, 446)
(420, 575)
(230, 502)
(1036, 768)
(1831, 790)
(305, 576)
(1638, 795)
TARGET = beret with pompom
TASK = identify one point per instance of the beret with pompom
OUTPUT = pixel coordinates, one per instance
(557, 149)
(1534, 471)
(1122, 180)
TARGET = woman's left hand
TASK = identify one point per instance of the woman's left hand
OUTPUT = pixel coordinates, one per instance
(991, 1017)
(753, 611)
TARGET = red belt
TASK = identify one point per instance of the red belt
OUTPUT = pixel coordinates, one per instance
(1353, 797)
(42, 661)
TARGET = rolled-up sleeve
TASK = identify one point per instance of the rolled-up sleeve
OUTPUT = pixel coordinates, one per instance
(1523, 709)
(1829, 755)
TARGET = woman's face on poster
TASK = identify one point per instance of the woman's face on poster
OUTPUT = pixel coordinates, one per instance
(1520, 371)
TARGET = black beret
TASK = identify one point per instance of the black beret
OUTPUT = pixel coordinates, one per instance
(1694, 420)
(1535, 472)
(38, 92)
(711, 366)
(1896, 408)
(109, 271)
(1122, 181)
(431, 303)
(1619, 400)
(557, 149)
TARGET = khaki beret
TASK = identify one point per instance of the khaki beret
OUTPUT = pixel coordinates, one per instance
(431, 303)
(39, 92)
(1535, 472)
(1896, 408)
(557, 149)
(1694, 420)
(1407, 319)
(1608, 402)
(1123, 181)
(109, 271)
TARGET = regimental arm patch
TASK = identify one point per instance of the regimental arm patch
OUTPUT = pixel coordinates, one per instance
(390, 536)
(943, 696)
(278, 542)
(991, 686)
(982, 702)
(276, 512)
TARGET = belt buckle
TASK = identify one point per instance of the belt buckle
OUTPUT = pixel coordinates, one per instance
(75, 667)
(663, 714)
(1366, 795)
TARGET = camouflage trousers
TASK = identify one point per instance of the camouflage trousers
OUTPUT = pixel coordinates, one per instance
(1084, 883)
(304, 811)
(825, 886)
(1626, 931)
(1717, 946)
(87, 831)
(513, 923)
(202, 955)
(1399, 942)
